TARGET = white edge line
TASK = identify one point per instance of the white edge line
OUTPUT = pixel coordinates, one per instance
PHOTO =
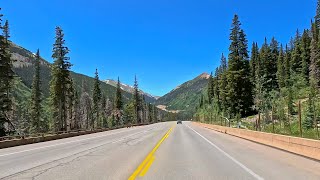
(44, 147)
(229, 156)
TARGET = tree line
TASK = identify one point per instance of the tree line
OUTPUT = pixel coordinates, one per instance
(66, 109)
(271, 82)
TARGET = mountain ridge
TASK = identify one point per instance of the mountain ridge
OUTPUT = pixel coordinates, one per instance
(182, 98)
(130, 89)
(185, 97)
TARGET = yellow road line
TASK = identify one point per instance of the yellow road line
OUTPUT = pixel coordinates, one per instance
(146, 168)
(148, 160)
(169, 132)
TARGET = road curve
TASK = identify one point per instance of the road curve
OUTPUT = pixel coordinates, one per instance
(158, 151)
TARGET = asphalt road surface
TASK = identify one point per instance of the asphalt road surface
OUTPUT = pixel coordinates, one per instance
(160, 151)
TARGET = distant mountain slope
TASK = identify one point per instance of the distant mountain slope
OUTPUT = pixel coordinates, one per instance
(23, 67)
(186, 96)
(149, 98)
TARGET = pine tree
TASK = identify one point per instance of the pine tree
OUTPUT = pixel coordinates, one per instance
(118, 103)
(36, 108)
(296, 61)
(60, 82)
(305, 54)
(6, 31)
(210, 88)
(129, 113)
(96, 100)
(287, 68)
(290, 101)
(263, 59)
(137, 100)
(268, 64)
(201, 103)
(308, 120)
(254, 60)
(223, 84)
(317, 17)
(314, 58)
(118, 100)
(223, 63)
(216, 88)
(272, 68)
(281, 69)
(6, 77)
(239, 85)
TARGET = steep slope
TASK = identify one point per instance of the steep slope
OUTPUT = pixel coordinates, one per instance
(184, 97)
(23, 67)
(149, 98)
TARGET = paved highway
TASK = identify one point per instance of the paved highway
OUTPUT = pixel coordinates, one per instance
(158, 151)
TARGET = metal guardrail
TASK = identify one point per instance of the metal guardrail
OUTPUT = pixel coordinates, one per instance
(17, 137)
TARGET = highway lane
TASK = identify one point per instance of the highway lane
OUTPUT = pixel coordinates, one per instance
(193, 152)
(95, 156)
(158, 151)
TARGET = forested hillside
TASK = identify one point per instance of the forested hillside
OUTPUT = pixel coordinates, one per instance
(185, 97)
(268, 87)
(39, 97)
(23, 66)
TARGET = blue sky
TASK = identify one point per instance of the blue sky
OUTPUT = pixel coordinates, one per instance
(163, 42)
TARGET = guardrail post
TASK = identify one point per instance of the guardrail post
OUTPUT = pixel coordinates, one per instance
(299, 116)
(272, 119)
(259, 127)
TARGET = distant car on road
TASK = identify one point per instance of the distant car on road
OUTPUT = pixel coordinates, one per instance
(179, 122)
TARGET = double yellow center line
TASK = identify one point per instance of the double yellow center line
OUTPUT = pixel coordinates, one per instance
(147, 162)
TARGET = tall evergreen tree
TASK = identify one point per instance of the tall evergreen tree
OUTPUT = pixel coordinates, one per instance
(314, 57)
(272, 68)
(239, 85)
(268, 64)
(137, 100)
(36, 108)
(223, 63)
(96, 100)
(281, 69)
(305, 54)
(216, 88)
(6, 77)
(264, 58)
(296, 61)
(317, 17)
(201, 102)
(254, 60)
(290, 101)
(308, 120)
(223, 84)
(60, 83)
(287, 59)
(210, 88)
(118, 100)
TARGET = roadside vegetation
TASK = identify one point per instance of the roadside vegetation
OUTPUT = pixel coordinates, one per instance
(275, 89)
